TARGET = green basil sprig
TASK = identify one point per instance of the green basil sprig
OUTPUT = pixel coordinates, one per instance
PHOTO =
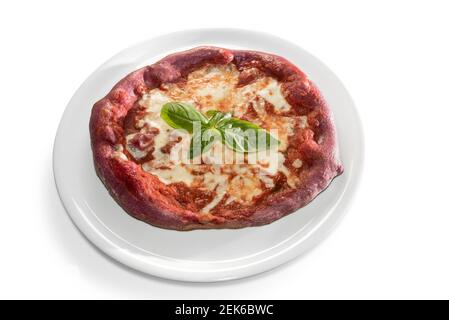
(181, 115)
(239, 135)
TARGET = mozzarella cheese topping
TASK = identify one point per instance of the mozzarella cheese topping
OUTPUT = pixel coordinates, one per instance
(220, 171)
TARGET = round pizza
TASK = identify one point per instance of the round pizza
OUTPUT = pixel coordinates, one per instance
(214, 138)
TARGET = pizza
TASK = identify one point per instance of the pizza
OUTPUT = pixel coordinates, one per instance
(214, 138)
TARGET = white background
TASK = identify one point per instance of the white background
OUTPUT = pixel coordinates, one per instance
(393, 56)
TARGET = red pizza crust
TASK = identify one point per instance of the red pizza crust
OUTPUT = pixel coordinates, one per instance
(144, 197)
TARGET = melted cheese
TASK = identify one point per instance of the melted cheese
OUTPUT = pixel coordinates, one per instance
(224, 172)
(217, 181)
(297, 163)
(244, 188)
(264, 89)
(118, 152)
(303, 122)
(272, 93)
(217, 93)
(170, 175)
(136, 153)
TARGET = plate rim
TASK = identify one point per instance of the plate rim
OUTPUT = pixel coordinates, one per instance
(128, 258)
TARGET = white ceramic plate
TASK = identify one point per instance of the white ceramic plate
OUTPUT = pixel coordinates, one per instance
(201, 255)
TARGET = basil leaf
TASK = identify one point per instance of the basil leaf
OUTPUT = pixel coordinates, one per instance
(181, 115)
(211, 113)
(244, 136)
(216, 118)
(239, 135)
(202, 141)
